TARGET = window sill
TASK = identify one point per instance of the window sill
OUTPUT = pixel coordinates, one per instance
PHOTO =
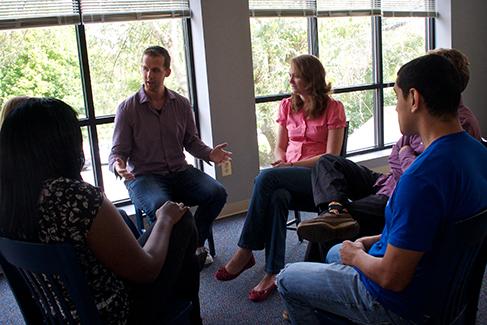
(377, 160)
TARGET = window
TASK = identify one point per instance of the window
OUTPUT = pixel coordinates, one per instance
(114, 54)
(359, 108)
(403, 40)
(361, 44)
(43, 60)
(345, 49)
(274, 42)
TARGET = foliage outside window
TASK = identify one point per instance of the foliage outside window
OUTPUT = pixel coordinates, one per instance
(114, 52)
(275, 41)
(41, 62)
(44, 62)
(403, 40)
(346, 49)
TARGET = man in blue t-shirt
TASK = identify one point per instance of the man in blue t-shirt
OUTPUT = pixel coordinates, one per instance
(376, 279)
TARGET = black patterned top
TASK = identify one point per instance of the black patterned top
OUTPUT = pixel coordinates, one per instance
(66, 211)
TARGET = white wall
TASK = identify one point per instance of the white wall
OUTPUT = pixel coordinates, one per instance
(225, 90)
(463, 25)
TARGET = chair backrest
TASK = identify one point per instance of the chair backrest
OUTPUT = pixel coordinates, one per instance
(47, 277)
(464, 246)
(343, 152)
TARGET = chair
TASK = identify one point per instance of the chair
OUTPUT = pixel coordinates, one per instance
(293, 224)
(35, 273)
(139, 220)
(39, 273)
(464, 245)
(465, 248)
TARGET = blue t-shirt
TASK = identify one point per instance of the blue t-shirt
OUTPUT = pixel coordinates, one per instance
(446, 183)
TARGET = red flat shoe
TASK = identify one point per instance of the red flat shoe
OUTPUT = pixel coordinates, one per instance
(257, 296)
(223, 275)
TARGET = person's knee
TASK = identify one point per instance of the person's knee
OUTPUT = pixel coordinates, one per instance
(213, 193)
(328, 158)
(282, 279)
(219, 193)
(325, 162)
(281, 198)
(185, 226)
(286, 279)
(265, 177)
(333, 255)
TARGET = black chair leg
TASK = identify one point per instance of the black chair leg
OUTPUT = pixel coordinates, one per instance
(211, 243)
(297, 218)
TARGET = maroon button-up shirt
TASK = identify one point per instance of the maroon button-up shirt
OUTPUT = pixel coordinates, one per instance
(152, 141)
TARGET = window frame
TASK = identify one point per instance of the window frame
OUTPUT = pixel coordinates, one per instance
(378, 85)
(92, 122)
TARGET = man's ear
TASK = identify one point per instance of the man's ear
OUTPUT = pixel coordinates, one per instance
(414, 99)
(168, 72)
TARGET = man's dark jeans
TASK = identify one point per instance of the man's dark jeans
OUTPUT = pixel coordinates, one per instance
(191, 186)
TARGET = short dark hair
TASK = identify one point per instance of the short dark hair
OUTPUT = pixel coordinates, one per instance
(436, 79)
(40, 139)
(157, 50)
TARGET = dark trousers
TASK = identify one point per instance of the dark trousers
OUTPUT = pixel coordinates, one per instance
(179, 279)
(191, 186)
(276, 191)
(335, 178)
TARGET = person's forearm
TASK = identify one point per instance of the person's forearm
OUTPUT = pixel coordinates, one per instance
(369, 241)
(310, 162)
(157, 245)
(112, 158)
(371, 266)
(389, 273)
(198, 149)
(280, 154)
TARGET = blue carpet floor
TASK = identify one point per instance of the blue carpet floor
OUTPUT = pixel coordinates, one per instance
(226, 302)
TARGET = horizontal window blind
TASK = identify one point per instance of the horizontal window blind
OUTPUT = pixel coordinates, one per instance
(285, 8)
(122, 10)
(337, 8)
(38, 13)
(409, 8)
(34, 13)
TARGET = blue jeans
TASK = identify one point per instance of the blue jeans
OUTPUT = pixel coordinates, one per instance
(190, 186)
(276, 191)
(334, 288)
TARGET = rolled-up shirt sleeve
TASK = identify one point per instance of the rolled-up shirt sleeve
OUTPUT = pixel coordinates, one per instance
(192, 142)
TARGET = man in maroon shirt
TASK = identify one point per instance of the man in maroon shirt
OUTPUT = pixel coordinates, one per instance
(152, 128)
(349, 195)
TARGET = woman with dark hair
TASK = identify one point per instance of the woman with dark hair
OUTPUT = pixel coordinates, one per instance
(9, 106)
(311, 124)
(44, 199)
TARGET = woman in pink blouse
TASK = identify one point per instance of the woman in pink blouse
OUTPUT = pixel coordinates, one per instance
(311, 124)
